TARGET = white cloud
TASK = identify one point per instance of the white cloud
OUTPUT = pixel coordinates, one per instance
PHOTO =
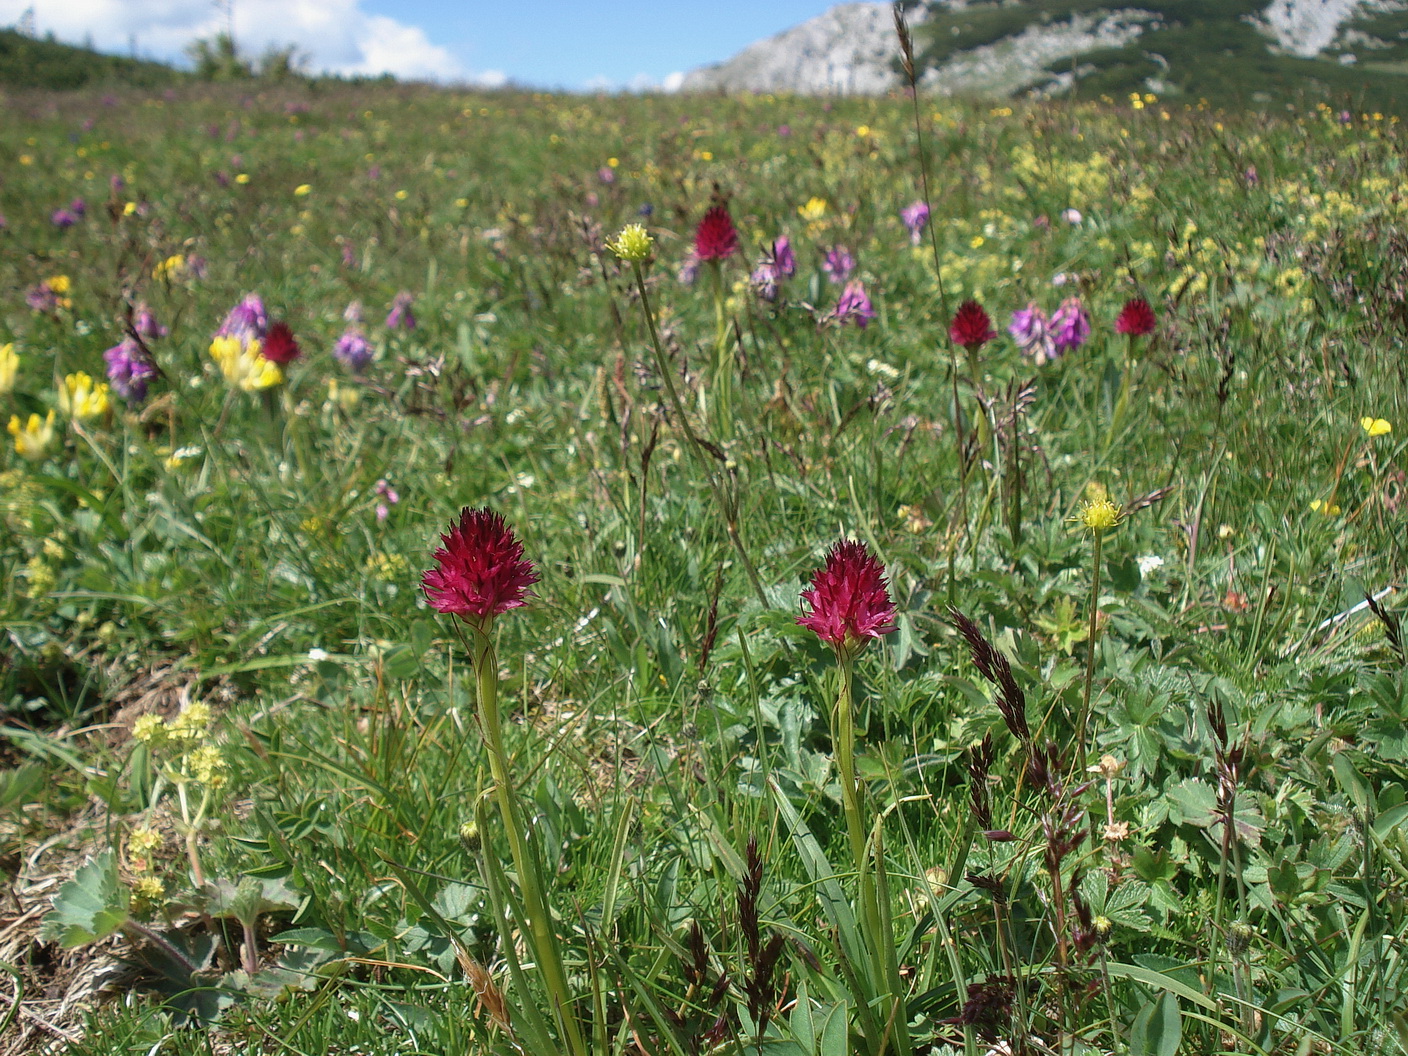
(336, 35)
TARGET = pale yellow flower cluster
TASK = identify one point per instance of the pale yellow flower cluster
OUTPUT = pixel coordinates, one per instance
(243, 366)
(33, 437)
(80, 398)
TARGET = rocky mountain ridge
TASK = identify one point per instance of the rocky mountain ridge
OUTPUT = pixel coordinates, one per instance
(1044, 46)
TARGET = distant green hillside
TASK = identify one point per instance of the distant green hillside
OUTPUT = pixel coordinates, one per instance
(28, 62)
(1195, 49)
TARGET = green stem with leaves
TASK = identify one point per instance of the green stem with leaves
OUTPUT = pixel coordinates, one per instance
(535, 905)
(728, 504)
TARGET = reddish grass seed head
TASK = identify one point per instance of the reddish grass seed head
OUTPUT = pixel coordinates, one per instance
(848, 602)
(479, 569)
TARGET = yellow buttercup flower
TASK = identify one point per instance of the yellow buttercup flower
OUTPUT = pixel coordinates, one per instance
(80, 398)
(9, 367)
(813, 211)
(243, 366)
(34, 437)
(633, 244)
(1323, 507)
(60, 284)
(1376, 426)
(302, 189)
(170, 268)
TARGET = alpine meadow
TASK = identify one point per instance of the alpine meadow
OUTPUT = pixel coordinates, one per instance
(495, 572)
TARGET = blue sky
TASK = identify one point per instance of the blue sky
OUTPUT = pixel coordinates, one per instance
(547, 43)
(561, 43)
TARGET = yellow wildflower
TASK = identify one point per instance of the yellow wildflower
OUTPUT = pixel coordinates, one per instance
(193, 722)
(633, 244)
(1100, 515)
(813, 211)
(60, 284)
(149, 729)
(301, 190)
(170, 268)
(9, 367)
(34, 437)
(80, 398)
(143, 841)
(1376, 426)
(243, 366)
(148, 888)
(41, 577)
(1327, 508)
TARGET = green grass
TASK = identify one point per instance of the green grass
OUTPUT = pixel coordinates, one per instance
(659, 714)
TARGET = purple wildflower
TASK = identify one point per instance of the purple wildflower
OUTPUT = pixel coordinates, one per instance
(145, 323)
(854, 305)
(916, 218)
(247, 320)
(353, 350)
(401, 315)
(42, 298)
(838, 264)
(62, 218)
(389, 498)
(689, 270)
(1070, 325)
(764, 280)
(128, 370)
(784, 261)
(78, 207)
(1031, 329)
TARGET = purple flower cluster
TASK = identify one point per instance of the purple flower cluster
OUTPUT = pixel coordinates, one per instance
(838, 264)
(128, 370)
(854, 305)
(780, 263)
(247, 320)
(1045, 338)
(916, 219)
(401, 316)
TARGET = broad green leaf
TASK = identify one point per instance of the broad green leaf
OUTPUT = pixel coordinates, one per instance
(1158, 1028)
(89, 907)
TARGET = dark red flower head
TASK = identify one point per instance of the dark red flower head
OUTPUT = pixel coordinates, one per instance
(849, 599)
(279, 345)
(972, 327)
(716, 238)
(479, 571)
(1136, 318)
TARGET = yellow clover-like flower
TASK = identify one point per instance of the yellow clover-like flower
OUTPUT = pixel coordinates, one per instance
(80, 398)
(813, 211)
(1376, 426)
(9, 367)
(34, 437)
(243, 366)
(633, 244)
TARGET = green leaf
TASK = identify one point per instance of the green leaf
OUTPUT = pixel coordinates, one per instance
(89, 907)
(1158, 1028)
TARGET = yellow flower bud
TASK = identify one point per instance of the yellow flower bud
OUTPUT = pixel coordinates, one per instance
(633, 244)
